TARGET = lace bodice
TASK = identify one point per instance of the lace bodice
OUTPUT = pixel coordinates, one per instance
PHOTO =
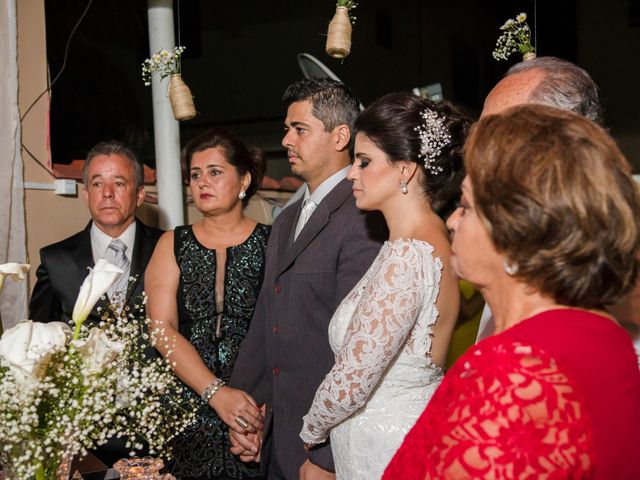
(505, 410)
(381, 336)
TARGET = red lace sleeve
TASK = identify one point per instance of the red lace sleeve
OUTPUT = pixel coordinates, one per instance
(503, 411)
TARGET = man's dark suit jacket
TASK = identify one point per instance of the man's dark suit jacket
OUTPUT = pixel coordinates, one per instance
(286, 353)
(63, 268)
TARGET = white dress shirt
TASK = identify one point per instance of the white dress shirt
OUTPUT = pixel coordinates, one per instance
(100, 242)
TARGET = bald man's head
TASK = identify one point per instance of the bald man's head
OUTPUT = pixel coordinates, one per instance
(546, 81)
(512, 90)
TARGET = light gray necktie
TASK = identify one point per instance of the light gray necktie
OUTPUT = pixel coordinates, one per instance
(307, 210)
(118, 291)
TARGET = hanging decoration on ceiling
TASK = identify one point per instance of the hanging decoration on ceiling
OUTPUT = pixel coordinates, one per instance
(516, 37)
(167, 63)
(339, 32)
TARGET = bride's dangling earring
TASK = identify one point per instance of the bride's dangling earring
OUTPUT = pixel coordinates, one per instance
(403, 187)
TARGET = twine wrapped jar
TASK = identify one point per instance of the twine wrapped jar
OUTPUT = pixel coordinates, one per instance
(180, 98)
(339, 34)
(528, 56)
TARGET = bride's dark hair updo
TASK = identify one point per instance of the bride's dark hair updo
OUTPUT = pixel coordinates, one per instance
(391, 121)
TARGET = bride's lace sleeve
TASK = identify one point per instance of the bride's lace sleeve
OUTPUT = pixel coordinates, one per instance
(388, 308)
(507, 411)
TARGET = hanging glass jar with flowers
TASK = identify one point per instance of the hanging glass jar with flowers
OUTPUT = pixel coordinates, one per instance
(167, 63)
(516, 37)
(339, 32)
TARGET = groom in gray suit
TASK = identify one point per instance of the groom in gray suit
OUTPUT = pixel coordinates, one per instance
(319, 248)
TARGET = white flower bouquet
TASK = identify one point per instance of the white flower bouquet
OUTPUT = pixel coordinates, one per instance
(516, 37)
(62, 393)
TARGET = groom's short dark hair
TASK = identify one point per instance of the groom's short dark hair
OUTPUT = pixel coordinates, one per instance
(333, 102)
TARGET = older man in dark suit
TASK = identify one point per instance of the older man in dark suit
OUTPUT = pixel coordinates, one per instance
(319, 248)
(113, 189)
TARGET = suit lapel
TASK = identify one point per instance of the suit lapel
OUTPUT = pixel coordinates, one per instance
(142, 250)
(318, 220)
(83, 257)
(285, 240)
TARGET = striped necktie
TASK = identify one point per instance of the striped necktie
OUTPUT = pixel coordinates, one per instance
(118, 291)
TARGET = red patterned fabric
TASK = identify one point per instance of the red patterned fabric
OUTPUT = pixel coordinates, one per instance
(531, 403)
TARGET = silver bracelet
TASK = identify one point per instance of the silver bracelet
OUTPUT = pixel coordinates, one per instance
(212, 389)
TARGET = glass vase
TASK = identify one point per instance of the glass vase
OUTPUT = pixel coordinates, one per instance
(64, 468)
(147, 468)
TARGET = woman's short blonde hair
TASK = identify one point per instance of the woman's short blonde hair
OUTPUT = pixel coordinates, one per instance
(557, 197)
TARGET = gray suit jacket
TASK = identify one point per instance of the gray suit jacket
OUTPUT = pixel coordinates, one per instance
(286, 353)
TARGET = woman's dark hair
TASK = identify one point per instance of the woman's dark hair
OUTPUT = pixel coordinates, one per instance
(243, 157)
(391, 121)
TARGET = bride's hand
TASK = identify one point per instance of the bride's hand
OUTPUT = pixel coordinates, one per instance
(237, 409)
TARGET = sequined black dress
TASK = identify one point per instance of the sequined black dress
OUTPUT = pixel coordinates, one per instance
(202, 451)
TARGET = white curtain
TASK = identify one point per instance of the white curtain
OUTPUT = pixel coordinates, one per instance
(13, 299)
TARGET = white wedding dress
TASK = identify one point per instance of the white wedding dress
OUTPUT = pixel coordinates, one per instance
(383, 377)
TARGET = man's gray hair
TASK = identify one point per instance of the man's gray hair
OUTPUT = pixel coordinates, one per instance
(114, 147)
(565, 85)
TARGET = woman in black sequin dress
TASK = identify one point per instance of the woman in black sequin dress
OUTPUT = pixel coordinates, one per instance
(203, 282)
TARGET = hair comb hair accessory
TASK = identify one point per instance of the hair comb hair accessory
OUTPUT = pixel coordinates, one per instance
(434, 136)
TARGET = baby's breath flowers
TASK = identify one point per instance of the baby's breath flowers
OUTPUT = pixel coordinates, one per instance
(165, 63)
(149, 396)
(516, 37)
(105, 381)
(350, 5)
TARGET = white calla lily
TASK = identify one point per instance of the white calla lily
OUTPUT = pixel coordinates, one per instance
(98, 350)
(100, 278)
(15, 271)
(27, 348)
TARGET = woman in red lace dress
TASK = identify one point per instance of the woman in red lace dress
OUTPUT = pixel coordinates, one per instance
(548, 230)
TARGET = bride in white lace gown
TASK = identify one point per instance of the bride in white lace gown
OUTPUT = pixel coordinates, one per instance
(391, 332)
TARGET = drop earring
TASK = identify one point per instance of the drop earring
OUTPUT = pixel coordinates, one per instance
(403, 187)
